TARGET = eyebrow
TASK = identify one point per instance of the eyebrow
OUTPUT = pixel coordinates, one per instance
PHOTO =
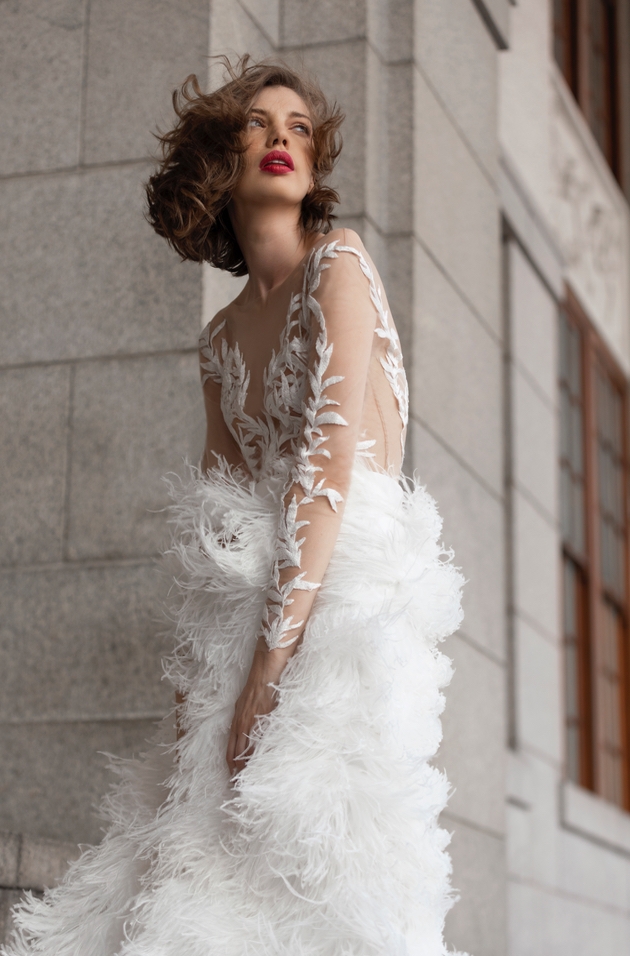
(293, 113)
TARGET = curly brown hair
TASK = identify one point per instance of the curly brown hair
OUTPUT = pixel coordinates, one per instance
(202, 160)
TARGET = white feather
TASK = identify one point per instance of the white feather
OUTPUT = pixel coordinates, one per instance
(327, 844)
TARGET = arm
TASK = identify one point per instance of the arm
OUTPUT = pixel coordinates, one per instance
(343, 321)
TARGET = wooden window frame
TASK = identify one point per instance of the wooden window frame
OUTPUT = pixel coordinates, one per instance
(594, 351)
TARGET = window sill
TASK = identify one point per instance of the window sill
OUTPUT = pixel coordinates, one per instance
(596, 819)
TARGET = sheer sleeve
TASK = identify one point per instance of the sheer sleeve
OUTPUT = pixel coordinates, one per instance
(342, 317)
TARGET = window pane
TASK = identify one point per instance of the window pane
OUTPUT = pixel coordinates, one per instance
(564, 40)
(571, 437)
(610, 477)
(601, 52)
(573, 625)
(609, 704)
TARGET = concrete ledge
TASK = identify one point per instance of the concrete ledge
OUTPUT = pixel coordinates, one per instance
(32, 863)
(596, 819)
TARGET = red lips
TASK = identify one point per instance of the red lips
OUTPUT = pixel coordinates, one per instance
(277, 161)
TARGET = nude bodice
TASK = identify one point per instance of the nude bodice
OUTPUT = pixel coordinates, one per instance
(327, 386)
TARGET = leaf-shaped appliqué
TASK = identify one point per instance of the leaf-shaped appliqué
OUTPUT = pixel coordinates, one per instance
(290, 426)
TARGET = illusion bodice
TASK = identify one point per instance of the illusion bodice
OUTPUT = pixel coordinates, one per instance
(333, 387)
(274, 428)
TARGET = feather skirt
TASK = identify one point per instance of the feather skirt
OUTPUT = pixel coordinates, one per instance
(327, 843)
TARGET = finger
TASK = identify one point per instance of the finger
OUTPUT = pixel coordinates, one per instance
(242, 747)
(231, 747)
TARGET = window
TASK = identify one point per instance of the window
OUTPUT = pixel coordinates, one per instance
(586, 48)
(594, 519)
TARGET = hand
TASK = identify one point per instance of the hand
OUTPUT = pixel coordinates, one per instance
(257, 699)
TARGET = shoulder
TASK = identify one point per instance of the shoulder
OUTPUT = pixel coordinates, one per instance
(337, 257)
(339, 241)
(214, 326)
(345, 237)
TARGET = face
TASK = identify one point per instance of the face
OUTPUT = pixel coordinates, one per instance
(279, 156)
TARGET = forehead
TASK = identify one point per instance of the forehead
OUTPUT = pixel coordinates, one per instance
(280, 99)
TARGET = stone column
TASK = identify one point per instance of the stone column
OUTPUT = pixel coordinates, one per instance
(98, 389)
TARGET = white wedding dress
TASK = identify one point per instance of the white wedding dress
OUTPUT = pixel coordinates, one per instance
(326, 843)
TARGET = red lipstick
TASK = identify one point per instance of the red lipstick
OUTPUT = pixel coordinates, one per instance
(277, 162)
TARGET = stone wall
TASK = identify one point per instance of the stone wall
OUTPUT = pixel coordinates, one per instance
(98, 390)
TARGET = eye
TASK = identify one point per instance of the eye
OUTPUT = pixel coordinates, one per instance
(255, 121)
(303, 127)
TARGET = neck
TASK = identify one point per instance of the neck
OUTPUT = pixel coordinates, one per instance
(272, 244)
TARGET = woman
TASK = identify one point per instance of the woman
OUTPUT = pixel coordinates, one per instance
(297, 812)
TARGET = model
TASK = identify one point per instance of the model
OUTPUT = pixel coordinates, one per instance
(297, 812)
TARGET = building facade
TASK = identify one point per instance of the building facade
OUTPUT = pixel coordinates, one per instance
(486, 165)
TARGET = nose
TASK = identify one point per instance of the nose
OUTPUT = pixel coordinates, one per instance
(276, 137)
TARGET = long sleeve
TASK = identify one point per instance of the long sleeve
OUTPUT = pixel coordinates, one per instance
(336, 301)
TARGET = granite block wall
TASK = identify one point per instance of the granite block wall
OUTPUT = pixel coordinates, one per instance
(98, 391)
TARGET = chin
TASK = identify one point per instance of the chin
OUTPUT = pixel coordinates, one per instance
(276, 188)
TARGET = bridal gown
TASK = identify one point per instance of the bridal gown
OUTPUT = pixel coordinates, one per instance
(327, 842)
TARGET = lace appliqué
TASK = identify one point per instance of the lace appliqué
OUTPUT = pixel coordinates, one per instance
(291, 425)
(262, 439)
(317, 411)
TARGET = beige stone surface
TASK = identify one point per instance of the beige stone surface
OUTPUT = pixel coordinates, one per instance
(477, 922)
(539, 692)
(592, 872)
(81, 643)
(8, 899)
(458, 57)
(54, 774)
(472, 750)
(34, 409)
(496, 15)
(88, 275)
(540, 919)
(456, 209)
(134, 420)
(390, 28)
(305, 23)
(43, 863)
(395, 166)
(535, 443)
(9, 858)
(266, 14)
(474, 528)
(533, 817)
(234, 31)
(41, 47)
(457, 374)
(398, 280)
(533, 321)
(139, 51)
(536, 566)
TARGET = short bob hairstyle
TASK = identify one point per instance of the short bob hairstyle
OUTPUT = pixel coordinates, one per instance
(202, 160)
